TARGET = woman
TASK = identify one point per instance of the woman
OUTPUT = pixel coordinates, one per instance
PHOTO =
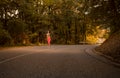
(48, 38)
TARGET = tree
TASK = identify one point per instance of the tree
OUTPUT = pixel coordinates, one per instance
(68, 20)
(5, 38)
(109, 16)
(16, 29)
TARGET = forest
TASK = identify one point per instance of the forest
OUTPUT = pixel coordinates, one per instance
(26, 22)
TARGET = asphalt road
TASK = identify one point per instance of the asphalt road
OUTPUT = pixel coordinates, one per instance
(57, 61)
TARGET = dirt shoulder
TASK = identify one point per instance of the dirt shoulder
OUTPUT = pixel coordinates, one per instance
(108, 56)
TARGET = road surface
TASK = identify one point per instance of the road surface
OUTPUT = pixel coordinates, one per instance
(57, 61)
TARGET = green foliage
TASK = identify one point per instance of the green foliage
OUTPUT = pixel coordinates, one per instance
(106, 12)
(5, 38)
(33, 37)
(16, 27)
(48, 2)
(70, 21)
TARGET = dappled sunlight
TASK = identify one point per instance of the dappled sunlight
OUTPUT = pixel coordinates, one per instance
(99, 36)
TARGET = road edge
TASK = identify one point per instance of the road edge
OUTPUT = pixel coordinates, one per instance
(101, 57)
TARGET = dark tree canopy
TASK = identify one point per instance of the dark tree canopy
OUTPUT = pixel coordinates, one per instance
(69, 21)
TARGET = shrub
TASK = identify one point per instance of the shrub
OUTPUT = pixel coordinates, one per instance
(5, 38)
(16, 28)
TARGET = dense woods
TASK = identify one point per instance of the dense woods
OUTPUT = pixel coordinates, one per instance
(109, 12)
(25, 22)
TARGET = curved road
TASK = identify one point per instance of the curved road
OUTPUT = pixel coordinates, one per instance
(57, 61)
